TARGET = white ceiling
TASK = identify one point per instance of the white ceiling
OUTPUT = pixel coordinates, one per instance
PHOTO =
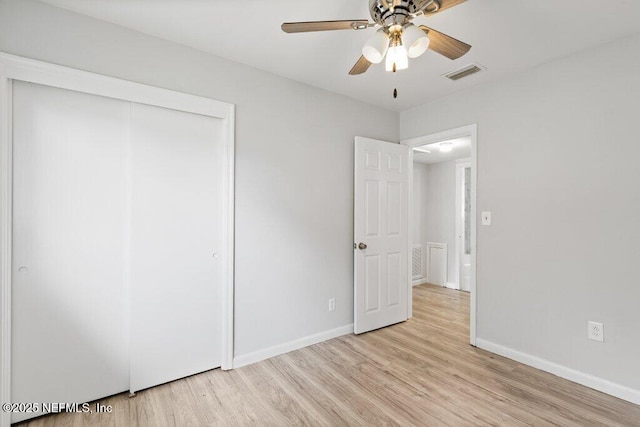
(460, 149)
(507, 36)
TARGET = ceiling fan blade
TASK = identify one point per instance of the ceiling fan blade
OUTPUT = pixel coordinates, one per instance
(304, 27)
(361, 66)
(444, 44)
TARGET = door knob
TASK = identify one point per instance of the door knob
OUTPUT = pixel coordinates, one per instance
(362, 246)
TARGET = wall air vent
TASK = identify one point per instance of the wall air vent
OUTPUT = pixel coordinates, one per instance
(464, 72)
(417, 269)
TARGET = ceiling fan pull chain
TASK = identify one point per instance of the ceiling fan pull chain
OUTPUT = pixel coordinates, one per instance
(395, 90)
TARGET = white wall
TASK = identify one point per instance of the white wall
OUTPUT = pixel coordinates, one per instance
(439, 206)
(434, 207)
(418, 213)
(293, 220)
(558, 166)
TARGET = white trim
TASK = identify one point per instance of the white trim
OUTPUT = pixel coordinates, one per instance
(588, 380)
(409, 266)
(6, 177)
(422, 281)
(128, 237)
(453, 286)
(276, 350)
(227, 314)
(28, 70)
(474, 225)
(472, 132)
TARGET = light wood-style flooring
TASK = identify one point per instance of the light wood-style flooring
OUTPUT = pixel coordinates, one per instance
(422, 372)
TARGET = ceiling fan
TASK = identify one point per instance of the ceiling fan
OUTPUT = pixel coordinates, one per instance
(397, 39)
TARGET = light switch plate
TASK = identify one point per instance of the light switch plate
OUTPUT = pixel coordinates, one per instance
(486, 218)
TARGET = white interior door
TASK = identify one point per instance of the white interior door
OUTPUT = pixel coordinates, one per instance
(69, 336)
(381, 224)
(176, 231)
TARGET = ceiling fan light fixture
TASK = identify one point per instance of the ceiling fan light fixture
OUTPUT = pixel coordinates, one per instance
(376, 47)
(415, 40)
(397, 58)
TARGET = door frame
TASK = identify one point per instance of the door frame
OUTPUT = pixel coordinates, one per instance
(470, 131)
(27, 70)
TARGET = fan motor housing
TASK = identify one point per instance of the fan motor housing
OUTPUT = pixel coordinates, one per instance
(385, 14)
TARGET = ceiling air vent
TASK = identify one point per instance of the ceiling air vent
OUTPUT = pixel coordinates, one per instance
(464, 72)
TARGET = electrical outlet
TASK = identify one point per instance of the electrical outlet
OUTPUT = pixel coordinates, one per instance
(332, 304)
(596, 331)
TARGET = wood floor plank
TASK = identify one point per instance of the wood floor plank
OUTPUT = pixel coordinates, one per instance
(332, 412)
(443, 386)
(420, 372)
(369, 405)
(242, 401)
(341, 394)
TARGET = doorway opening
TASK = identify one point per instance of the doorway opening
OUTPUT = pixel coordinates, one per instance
(442, 213)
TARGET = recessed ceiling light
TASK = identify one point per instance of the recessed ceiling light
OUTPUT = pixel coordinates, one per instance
(446, 147)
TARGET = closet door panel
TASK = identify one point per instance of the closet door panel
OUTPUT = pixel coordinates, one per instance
(176, 164)
(69, 333)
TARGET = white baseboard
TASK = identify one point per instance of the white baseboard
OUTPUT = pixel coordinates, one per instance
(276, 350)
(419, 282)
(452, 286)
(596, 383)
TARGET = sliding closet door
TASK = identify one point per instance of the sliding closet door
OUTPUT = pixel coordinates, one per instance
(176, 230)
(69, 334)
